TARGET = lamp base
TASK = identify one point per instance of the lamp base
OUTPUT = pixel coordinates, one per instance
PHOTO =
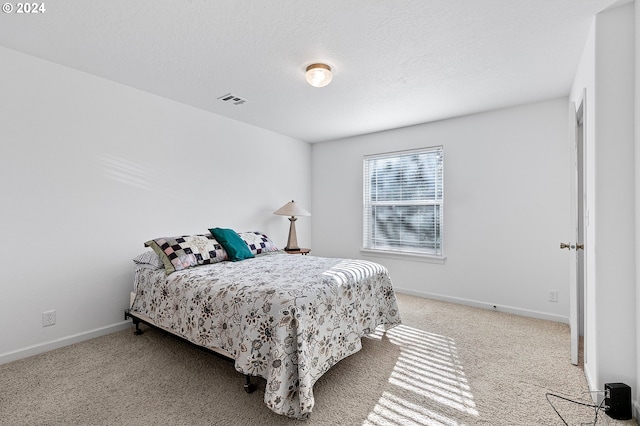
(292, 240)
(302, 251)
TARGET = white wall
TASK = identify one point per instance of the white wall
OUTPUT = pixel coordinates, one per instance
(91, 169)
(607, 73)
(506, 207)
(583, 91)
(614, 193)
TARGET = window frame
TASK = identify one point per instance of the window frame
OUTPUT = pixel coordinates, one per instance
(409, 253)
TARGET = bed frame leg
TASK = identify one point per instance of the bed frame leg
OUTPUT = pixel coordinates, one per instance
(136, 322)
(248, 386)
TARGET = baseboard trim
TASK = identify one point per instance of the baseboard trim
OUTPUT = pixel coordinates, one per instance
(596, 396)
(91, 334)
(484, 305)
(635, 409)
(61, 342)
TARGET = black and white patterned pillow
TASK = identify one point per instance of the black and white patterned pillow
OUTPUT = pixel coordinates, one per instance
(258, 242)
(187, 251)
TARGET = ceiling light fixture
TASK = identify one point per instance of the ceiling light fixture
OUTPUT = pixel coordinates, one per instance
(319, 75)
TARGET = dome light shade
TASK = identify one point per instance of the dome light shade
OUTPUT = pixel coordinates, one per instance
(319, 75)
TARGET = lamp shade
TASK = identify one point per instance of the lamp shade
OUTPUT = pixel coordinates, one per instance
(292, 209)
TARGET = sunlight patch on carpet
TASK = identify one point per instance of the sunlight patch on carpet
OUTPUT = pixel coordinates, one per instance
(429, 368)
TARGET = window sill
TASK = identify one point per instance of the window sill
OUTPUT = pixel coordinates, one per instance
(429, 258)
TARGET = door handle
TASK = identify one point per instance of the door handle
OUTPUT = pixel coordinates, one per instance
(571, 246)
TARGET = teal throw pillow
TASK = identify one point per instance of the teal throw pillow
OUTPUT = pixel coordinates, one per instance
(235, 246)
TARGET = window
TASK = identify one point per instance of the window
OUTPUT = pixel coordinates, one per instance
(403, 202)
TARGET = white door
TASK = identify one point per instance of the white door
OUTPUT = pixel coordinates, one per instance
(573, 233)
(576, 228)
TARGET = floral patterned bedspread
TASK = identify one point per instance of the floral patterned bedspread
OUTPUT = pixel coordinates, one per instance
(286, 318)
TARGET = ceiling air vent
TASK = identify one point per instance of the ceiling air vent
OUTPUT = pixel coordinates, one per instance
(232, 99)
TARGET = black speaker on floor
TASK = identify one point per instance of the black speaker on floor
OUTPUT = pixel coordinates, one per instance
(618, 401)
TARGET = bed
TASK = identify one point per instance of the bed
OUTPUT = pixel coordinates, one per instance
(286, 318)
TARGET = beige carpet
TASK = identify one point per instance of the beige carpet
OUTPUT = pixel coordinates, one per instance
(446, 365)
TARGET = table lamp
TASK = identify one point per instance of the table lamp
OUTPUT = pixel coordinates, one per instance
(292, 210)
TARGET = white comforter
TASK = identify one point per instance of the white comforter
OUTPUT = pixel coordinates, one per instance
(286, 318)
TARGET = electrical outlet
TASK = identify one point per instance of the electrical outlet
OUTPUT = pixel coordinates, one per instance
(553, 295)
(48, 318)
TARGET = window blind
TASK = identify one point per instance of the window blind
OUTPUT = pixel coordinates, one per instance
(403, 201)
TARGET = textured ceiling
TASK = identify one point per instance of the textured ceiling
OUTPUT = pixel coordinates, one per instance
(396, 62)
